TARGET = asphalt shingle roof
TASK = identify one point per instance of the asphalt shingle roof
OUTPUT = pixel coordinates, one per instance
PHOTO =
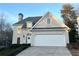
(32, 19)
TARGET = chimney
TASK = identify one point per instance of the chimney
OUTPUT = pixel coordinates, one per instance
(20, 17)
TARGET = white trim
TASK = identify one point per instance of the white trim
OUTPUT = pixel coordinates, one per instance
(40, 19)
(51, 17)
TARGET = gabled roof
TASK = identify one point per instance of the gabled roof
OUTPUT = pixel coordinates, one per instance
(55, 24)
(35, 20)
(32, 19)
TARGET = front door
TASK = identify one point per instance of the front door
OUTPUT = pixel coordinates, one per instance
(18, 40)
(26, 40)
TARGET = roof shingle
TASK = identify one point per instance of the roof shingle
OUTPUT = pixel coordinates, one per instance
(32, 19)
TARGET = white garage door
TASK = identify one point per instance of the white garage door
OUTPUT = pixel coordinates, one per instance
(49, 40)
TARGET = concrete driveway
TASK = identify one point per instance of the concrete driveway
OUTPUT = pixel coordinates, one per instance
(45, 51)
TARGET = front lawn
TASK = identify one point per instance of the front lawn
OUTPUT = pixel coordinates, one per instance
(13, 50)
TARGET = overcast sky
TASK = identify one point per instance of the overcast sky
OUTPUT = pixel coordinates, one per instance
(29, 9)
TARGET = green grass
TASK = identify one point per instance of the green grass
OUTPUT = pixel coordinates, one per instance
(11, 51)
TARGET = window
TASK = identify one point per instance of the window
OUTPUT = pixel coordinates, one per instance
(48, 21)
(18, 40)
(19, 29)
(28, 37)
(29, 24)
(23, 35)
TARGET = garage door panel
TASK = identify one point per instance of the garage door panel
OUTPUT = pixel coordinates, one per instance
(49, 40)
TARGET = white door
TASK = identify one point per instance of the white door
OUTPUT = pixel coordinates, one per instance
(49, 40)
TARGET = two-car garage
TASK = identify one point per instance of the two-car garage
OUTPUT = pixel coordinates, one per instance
(55, 38)
(49, 40)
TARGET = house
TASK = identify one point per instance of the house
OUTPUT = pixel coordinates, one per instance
(44, 30)
(78, 24)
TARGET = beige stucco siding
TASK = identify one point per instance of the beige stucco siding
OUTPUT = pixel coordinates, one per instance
(16, 35)
(42, 23)
(78, 24)
(67, 36)
(55, 27)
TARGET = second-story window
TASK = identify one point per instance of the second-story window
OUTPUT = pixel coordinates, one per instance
(29, 24)
(19, 29)
(48, 21)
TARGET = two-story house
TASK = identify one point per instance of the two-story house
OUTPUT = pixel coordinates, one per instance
(44, 30)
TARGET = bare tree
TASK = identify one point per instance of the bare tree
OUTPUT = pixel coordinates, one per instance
(2, 24)
(5, 31)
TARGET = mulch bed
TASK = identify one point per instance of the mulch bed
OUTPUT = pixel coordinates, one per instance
(74, 49)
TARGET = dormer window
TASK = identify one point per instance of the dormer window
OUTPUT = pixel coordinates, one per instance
(48, 21)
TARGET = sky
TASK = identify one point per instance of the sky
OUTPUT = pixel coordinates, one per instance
(11, 10)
